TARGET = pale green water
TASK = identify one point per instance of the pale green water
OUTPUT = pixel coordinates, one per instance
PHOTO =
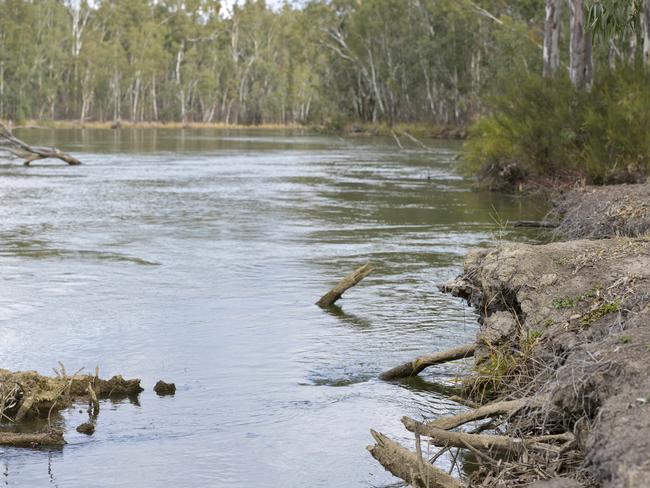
(196, 257)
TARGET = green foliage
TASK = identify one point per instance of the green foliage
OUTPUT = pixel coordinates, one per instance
(326, 62)
(625, 339)
(610, 17)
(600, 312)
(564, 302)
(546, 128)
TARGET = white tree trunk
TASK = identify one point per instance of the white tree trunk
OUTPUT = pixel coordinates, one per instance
(581, 64)
(552, 25)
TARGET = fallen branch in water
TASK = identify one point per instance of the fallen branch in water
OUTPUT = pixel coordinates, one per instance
(538, 224)
(419, 364)
(445, 438)
(16, 147)
(348, 282)
(408, 466)
(499, 408)
(45, 439)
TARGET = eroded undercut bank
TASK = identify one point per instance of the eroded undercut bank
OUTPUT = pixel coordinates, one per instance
(559, 379)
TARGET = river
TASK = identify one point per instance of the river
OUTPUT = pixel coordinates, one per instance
(196, 256)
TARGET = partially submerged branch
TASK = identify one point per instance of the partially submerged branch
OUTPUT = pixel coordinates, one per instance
(498, 408)
(16, 147)
(416, 366)
(348, 282)
(408, 466)
(482, 442)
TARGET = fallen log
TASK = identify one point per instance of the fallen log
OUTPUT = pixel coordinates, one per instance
(445, 438)
(408, 466)
(499, 408)
(537, 224)
(50, 438)
(419, 364)
(16, 147)
(348, 282)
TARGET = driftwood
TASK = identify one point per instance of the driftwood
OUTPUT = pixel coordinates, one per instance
(11, 144)
(46, 439)
(408, 466)
(419, 364)
(348, 282)
(538, 224)
(482, 442)
(499, 408)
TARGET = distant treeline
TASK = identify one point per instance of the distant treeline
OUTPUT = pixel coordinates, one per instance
(323, 62)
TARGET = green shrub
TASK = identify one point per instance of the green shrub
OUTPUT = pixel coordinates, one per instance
(539, 128)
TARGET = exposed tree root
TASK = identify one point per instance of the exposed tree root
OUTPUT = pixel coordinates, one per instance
(419, 364)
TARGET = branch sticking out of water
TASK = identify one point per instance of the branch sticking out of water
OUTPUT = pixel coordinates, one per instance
(346, 283)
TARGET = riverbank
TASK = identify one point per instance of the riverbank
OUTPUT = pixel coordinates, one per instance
(560, 359)
(399, 131)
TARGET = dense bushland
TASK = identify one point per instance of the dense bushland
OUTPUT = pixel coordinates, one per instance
(541, 128)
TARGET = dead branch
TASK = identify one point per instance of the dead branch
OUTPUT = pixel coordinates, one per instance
(16, 147)
(536, 224)
(416, 366)
(498, 408)
(348, 282)
(404, 464)
(441, 437)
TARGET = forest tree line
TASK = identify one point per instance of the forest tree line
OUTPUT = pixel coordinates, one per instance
(323, 62)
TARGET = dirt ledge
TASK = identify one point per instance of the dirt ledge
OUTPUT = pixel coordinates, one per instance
(567, 323)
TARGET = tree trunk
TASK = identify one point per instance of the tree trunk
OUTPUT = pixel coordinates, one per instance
(581, 67)
(552, 25)
(646, 33)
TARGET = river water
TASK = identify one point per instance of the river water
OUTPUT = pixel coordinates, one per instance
(196, 257)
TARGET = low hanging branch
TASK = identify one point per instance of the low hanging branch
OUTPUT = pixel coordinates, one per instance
(413, 368)
(348, 282)
(408, 466)
(16, 147)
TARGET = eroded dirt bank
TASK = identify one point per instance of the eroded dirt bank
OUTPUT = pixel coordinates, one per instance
(566, 325)
(601, 212)
(560, 372)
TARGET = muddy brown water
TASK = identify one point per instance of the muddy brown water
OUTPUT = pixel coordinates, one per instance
(196, 257)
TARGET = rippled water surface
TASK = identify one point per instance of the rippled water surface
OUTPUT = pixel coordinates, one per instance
(196, 257)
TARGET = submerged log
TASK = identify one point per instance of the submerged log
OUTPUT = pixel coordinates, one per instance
(419, 364)
(408, 466)
(11, 144)
(46, 439)
(445, 438)
(538, 224)
(348, 282)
